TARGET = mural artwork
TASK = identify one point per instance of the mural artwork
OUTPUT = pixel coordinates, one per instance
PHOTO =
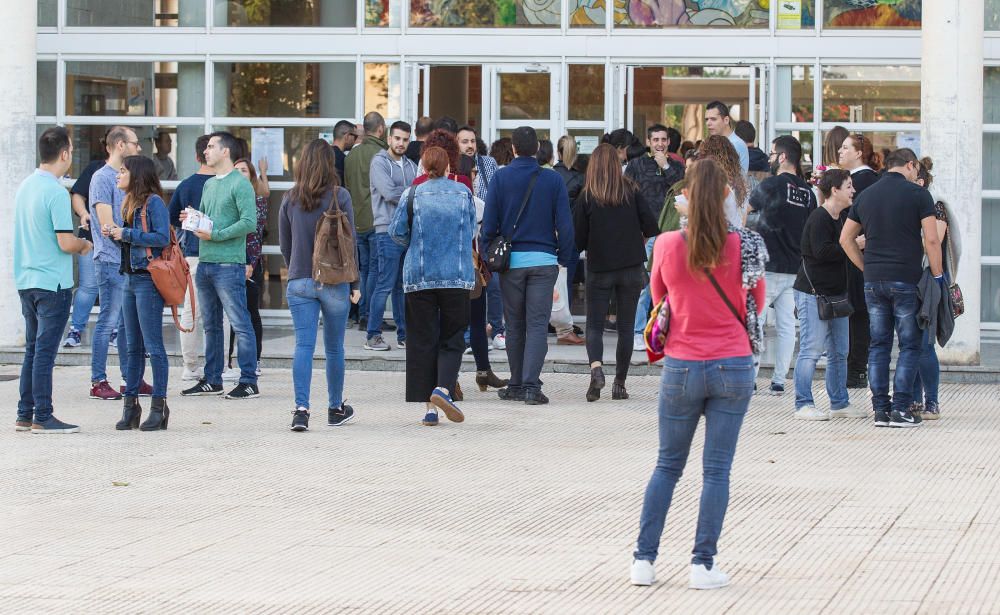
(484, 13)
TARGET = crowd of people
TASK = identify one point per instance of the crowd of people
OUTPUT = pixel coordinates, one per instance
(477, 249)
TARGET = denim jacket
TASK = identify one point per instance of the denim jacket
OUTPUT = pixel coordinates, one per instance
(158, 223)
(440, 238)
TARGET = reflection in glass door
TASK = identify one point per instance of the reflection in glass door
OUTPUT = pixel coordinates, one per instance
(523, 95)
(452, 90)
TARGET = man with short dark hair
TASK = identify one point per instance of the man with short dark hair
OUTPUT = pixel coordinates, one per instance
(423, 127)
(446, 122)
(43, 275)
(229, 201)
(343, 141)
(541, 241)
(391, 173)
(188, 194)
(784, 202)
(748, 134)
(897, 218)
(357, 181)
(719, 122)
(165, 167)
(674, 145)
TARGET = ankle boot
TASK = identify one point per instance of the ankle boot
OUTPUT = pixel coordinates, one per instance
(456, 395)
(596, 383)
(489, 379)
(618, 390)
(131, 413)
(159, 414)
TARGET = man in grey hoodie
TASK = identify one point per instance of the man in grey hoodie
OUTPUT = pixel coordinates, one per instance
(391, 173)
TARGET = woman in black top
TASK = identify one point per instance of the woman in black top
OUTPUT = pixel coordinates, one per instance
(823, 272)
(611, 224)
(567, 158)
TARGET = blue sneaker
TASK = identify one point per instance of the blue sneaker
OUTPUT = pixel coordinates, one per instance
(73, 339)
(441, 399)
(53, 425)
(430, 419)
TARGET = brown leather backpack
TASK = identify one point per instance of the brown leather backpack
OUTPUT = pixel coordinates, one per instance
(334, 258)
(171, 275)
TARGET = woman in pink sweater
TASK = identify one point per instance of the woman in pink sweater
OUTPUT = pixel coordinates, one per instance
(713, 276)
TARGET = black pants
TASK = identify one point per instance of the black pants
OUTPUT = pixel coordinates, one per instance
(527, 307)
(861, 339)
(435, 340)
(478, 340)
(255, 288)
(625, 285)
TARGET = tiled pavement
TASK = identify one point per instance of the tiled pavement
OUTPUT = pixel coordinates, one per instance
(517, 510)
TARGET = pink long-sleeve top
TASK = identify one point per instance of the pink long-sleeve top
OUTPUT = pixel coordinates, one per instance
(702, 328)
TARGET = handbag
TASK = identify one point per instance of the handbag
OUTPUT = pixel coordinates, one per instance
(829, 306)
(954, 290)
(171, 276)
(498, 251)
(655, 333)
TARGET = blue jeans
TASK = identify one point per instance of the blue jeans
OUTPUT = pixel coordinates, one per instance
(367, 270)
(893, 306)
(45, 315)
(645, 299)
(143, 313)
(306, 299)
(816, 337)
(86, 292)
(928, 380)
(721, 390)
(494, 306)
(111, 287)
(223, 287)
(389, 281)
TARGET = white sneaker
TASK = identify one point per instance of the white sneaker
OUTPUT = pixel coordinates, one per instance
(703, 578)
(500, 341)
(850, 412)
(643, 572)
(231, 375)
(192, 375)
(638, 343)
(468, 350)
(811, 413)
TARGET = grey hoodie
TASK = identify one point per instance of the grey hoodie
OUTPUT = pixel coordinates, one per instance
(388, 181)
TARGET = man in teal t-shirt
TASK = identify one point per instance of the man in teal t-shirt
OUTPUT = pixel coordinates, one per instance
(228, 200)
(43, 274)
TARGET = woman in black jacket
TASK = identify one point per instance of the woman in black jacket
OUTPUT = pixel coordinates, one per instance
(611, 224)
(567, 158)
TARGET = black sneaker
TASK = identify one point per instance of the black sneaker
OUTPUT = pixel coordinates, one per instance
(387, 326)
(511, 393)
(203, 388)
(857, 380)
(535, 398)
(776, 389)
(335, 417)
(904, 418)
(882, 418)
(300, 420)
(363, 324)
(243, 390)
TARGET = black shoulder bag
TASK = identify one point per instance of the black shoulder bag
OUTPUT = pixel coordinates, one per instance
(498, 252)
(829, 306)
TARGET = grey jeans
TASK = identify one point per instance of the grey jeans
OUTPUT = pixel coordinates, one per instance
(527, 306)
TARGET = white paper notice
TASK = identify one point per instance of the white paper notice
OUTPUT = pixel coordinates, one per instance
(910, 140)
(586, 145)
(268, 143)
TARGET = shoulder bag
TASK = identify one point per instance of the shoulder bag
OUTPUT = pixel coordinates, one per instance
(954, 290)
(498, 252)
(829, 306)
(171, 276)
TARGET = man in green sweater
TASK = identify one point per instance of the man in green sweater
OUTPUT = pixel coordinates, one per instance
(228, 200)
(356, 177)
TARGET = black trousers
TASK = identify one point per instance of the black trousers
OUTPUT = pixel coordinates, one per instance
(625, 285)
(436, 320)
(255, 290)
(478, 339)
(861, 339)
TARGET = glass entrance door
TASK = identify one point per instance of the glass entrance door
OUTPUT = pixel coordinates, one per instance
(523, 95)
(452, 90)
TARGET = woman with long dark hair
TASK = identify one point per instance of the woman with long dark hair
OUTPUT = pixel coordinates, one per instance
(612, 224)
(317, 190)
(142, 239)
(502, 151)
(705, 273)
(255, 266)
(738, 199)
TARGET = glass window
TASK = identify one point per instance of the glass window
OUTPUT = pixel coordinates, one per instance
(796, 14)
(991, 94)
(284, 89)
(990, 311)
(871, 14)
(285, 13)
(294, 138)
(677, 13)
(382, 13)
(455, 91)
(675, 96)
(135, 13)
(154, 89)
(176, 145)
(795, 94)
(486, 13)
(525, 96)
(46, 88)
(47, 13)
(586, 92)
(991, 227)
(992, 15)
(991, 161)
(383, 86)
(871, 93)
(591, 13)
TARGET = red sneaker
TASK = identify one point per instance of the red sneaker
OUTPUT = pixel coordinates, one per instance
(145, 389)
(102, 390)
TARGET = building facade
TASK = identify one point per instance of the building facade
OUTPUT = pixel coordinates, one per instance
(281, 72)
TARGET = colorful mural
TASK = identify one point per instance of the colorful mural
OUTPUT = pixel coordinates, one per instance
(660, 13)
(484, 13)
(872, 13)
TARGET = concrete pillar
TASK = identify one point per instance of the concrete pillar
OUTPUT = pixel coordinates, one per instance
(952, 134)
(17, 147)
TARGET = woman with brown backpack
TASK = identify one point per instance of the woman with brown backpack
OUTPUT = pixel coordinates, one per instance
(314, 285)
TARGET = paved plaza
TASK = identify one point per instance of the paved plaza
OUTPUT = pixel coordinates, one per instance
(518, 510)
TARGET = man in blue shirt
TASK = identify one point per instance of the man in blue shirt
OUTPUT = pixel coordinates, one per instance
(718, 122)
(542, 240)
(43, 274)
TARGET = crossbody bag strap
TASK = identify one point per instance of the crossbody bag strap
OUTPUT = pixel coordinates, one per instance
(718, 289)
(524, 203)
(805, 270)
